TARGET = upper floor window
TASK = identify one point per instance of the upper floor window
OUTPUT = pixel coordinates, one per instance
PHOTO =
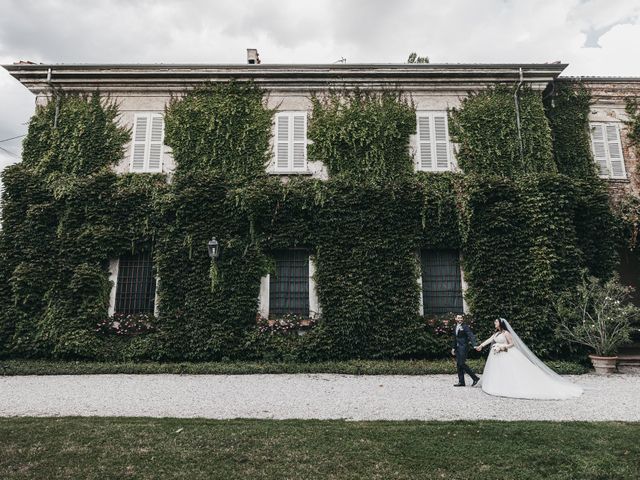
(607, 150)
(148, 137)
(433, 147)
(291, 142)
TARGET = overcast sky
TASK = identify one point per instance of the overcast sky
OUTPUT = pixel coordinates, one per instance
(596, 37)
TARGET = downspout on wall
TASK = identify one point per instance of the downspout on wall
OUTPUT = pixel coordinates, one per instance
(515, 98)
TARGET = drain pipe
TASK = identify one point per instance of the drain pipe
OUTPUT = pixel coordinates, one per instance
(55, 118)
(515, 98)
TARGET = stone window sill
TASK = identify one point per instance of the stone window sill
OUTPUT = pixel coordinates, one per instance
(289, 172)
(616, 180)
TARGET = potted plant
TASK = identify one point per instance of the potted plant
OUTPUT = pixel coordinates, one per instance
(597, 314)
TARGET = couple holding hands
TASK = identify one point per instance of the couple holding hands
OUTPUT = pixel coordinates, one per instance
(511, 369)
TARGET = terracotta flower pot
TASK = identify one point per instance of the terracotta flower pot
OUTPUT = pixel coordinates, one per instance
(604, 365)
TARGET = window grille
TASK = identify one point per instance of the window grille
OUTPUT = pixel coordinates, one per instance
(136, 289)
(289, 286)
(441, 282)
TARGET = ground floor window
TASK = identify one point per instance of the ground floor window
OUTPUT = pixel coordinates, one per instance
(441, 281)
(289, 284)
(136, 285)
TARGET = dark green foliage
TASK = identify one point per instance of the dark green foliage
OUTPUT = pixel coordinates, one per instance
(367, 270)
(362, 135)
(442, 211)
(567, 107)
(525, 233)
(197, 323)
(349, 367)
(221, 127)
(74, 135)
(633, 124)
(485, 128)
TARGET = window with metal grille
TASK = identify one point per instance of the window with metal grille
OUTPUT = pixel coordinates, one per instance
(289, 285)
(136, 288)
(441, 281)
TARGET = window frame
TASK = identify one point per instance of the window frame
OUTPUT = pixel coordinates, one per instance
(264, 306)
(420, 280)
(291, 142)
(115, 266)
(451, 161)
(604, 125)
(147, 143)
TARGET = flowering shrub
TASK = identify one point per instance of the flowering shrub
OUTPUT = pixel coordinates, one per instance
(442, 325)
(127, 324)
(284, 324)
(597, 314)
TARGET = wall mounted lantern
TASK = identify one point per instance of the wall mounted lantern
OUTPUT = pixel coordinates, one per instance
(214, 248)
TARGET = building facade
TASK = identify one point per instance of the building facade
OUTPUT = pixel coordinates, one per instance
(142, 92)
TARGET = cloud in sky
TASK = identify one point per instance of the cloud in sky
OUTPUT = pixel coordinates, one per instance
(594, 36)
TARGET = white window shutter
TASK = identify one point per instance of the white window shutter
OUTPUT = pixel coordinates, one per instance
(441, 141)
(138, 151)
(599, 148)
(425, 143)
(155, 143)
(614, 149)
(299, 141)
(282, 142)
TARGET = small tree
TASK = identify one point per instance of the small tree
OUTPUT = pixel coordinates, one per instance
(414, 58)
(596, 314)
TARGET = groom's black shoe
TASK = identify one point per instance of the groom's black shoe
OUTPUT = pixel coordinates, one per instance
(459, 385)
(475, 381)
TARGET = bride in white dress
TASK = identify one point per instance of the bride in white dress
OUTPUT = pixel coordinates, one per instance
(512, 370)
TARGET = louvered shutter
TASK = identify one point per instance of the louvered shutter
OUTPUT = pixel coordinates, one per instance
(299, 141)
(282, 142)
(155, 143)
(441, 141)
(424, 142)
(615, 151)
(138, 153)
(599, 148)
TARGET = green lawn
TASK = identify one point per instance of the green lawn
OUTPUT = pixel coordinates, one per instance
(352, 367)
(105, 448)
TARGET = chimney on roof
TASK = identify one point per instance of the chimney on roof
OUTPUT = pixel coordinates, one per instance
(252, 56)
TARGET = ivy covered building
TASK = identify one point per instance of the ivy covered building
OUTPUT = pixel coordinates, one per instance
(354, 206)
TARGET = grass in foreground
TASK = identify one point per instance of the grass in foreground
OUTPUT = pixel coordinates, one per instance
(99, 448)
(352, 367)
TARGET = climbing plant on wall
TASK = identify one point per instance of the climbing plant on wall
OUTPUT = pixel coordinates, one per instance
(485, 127)
(362, 135)
(567, 106)
(224, 127)
(524, 230)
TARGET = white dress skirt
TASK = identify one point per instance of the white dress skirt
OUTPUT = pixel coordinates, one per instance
(511, 374)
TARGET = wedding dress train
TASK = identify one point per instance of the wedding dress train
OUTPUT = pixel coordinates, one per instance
(513, 373)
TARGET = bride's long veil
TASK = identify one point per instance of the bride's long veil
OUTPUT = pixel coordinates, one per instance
(520, 345)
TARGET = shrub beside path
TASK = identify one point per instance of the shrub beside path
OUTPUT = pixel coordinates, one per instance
(306, 396)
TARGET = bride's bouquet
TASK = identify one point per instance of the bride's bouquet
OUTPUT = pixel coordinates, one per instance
(496, 348)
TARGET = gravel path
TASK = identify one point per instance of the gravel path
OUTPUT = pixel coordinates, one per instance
(432, 397)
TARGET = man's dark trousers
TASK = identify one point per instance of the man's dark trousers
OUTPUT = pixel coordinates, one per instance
(461, 341)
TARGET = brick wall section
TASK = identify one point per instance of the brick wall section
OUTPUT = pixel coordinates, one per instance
(608, 96)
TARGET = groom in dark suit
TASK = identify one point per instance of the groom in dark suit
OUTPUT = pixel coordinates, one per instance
(462, 335)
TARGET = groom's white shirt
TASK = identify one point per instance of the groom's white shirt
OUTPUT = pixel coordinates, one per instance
(458, 328)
